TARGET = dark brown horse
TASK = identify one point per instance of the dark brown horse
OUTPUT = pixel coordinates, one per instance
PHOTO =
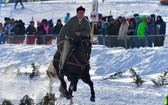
(77, 67)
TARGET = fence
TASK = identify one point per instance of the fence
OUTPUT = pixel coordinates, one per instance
(30, 39)
(128, 41)
(108, 40)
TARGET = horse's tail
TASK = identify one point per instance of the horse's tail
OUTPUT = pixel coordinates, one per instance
(51, 72)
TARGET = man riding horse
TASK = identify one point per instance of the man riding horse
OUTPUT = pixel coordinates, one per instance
(77, 27)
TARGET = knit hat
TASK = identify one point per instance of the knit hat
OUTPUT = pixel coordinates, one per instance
(143, 17)
(80, 9)
(38, 22)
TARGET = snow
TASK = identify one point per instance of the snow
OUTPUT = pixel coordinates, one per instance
(148, 62)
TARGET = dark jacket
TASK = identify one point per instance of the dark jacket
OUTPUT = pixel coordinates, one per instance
(57, 28)
(30, 30)
(112, 29)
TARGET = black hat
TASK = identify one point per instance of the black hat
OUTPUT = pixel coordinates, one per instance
(6, 18)
(20, 21)
(80, 9)
(31, 21)
(123, 19)
(68, 13)
(59, 20)
(135, 15)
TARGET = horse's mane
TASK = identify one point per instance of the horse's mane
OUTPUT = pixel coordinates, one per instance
(82, 50)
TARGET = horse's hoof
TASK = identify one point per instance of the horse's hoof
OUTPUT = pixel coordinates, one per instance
(68, 97)
(92, 99)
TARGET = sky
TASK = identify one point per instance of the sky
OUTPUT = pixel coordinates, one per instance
(149, 63)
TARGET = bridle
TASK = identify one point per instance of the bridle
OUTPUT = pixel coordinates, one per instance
(85, 50)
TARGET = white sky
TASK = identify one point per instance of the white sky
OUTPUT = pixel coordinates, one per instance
(148, 62)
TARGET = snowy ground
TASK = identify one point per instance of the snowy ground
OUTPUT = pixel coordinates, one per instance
(148, 62)
(104, 61)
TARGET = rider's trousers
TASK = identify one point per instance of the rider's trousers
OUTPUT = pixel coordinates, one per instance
(66, 48)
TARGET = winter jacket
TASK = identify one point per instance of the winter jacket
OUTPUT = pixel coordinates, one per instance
(104, 28)
(112, 29)
(141, 30)
(150, 28)
(160, 26)
(123, 31)
(57, 28)
(73, 26)
(30, 30)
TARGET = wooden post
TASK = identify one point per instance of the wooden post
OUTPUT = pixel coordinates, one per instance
(92, 32)
(93, 17)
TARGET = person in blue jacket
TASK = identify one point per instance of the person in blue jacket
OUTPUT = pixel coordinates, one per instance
(67, 17)
(1, 36)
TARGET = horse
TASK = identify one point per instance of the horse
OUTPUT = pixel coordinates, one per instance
(76, 67)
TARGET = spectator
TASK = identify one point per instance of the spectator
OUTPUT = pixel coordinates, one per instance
(20, 31)
(135, 39)
(31, 32)
(57, 28)
(141, 32)
(131, 29)
(66, 18)
(122, 33)
(50, 32)
(1, 34)
(42, 31)
(160, 30)
(150, 30)
(153, 18)
(7, 20)
(119, 21)
(109, 18)
(9, 31)
(112, 32)
(104, 31)
(98, 31)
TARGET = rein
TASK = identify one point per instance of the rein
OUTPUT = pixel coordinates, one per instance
(82, 66)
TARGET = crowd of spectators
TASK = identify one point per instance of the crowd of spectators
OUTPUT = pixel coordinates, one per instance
(136, 31)
(128, 32)
(14, 31)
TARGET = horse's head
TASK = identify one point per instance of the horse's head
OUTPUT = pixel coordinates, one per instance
(85, 49)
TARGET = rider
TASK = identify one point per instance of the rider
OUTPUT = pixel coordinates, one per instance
(77, 27)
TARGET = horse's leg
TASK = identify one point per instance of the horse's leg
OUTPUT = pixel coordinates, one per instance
(62, 90)
(64, 85)
(73, 87)
(88, 81)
